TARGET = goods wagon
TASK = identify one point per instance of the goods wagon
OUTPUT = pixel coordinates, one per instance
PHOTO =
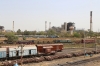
(52, 36)
(12, 52)
(49, 48)
(25, 42)
(63, 41)
(57, 47)
(28, 50)
(3, 53)
(44, 49)
(88, 41)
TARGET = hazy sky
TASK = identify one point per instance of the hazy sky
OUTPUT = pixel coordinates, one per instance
(32, 14)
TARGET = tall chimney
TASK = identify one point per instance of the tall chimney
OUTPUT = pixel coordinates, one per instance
(65, 26)
(13, 26)
(49, 25)
(45, 25)
(90, 20)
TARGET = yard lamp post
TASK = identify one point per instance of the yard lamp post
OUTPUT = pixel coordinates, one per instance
(16, 56)
(21, 53)
(96, 47)
(84, 44)
(16, 51)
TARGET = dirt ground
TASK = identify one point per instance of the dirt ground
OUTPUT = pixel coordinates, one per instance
(64, 60)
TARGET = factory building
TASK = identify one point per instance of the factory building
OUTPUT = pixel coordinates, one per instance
(2, 29)
(57, 29)
(70, 26)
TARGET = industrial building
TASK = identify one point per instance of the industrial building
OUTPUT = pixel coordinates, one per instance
(70, 26)
(2, 29)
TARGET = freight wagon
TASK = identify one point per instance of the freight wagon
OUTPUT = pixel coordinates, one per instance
(25, 42)
(3, 53)
(10, 52)
(28, 51)
(63, 41)
(88, 41)
(46, 49)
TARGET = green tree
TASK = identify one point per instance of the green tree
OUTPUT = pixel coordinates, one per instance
(19, 32)
(81, 33)
(11, 38)
(51, 32)
(1, 33)
(26, 32)
(32, 32)
(41, 33)
(24, 38)
(76, 35)
(91, 34)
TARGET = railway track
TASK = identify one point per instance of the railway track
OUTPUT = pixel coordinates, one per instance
(81, 62)
(48, 58)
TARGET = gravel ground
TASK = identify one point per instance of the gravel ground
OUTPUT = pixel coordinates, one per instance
(64, 60)
(69, 60)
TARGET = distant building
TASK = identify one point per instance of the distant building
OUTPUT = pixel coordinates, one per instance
(64, 27)
(8, 30)
(2, 29)
(69, 25)
(57, 29)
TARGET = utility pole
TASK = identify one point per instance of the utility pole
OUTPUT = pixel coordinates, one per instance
(84, 44)
(96, 43)
(21, 54)
(13, 26)
(96, 48)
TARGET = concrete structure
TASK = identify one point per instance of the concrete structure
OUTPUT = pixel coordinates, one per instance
(70, 26)
(49, 25)
(8, 30)
(71, 29)
(57, 29)
(45, 25)
(2, 29)
(65, 26)
(62, 27)
(13, 26)
(91, 21)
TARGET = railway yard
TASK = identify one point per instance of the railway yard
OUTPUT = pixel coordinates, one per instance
(44, 53)
(65, 58)
(32, 33)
